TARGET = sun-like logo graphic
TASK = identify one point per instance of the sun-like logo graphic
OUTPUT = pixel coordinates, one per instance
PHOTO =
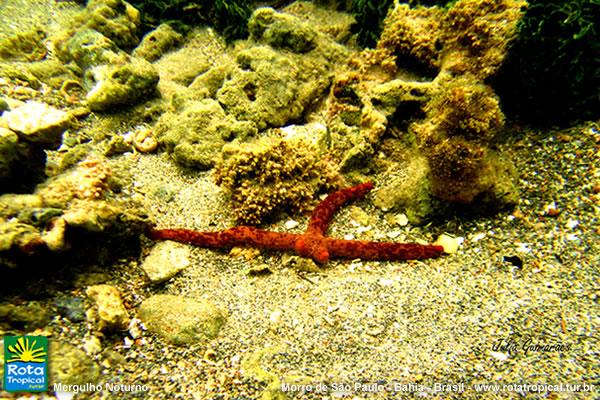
(25, 351)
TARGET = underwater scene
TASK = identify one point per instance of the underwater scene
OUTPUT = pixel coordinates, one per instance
(329, 199)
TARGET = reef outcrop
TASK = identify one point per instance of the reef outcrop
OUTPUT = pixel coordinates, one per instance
(422, 92)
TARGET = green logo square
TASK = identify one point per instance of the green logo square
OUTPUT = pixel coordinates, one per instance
(25, 363)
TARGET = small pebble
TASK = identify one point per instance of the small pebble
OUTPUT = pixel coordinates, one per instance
(572, 223)
(449, 243)
(401, 219)
(550, 210)
(499, 356)
(291, 224)
(144, 141)
(92, 345)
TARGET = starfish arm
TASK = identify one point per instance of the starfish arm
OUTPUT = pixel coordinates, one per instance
(238, 236)
(249, 236)
(364, 250)
(323, 213)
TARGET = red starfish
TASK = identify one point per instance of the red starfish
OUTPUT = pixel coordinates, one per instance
(313, 243)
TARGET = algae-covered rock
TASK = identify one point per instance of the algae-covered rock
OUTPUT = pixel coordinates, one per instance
(69, 365)
(3, 106)
(157, 42)
(117, 85)
(412, 36)
(182, 321)
(69, 215)
(478, 33)
(112, 77)
(115, 19)
(286, 72)
(463, 118)
(270, 88)
(89, 48)
(28, 316)
(17, 236)
(24, 46)
(201, 51)
(402, 99)
(407, 189)
(107, 312)
(196, 134)
(422, 87)
(337, 25)
(272, 174)
(281, 30)
(9, 152)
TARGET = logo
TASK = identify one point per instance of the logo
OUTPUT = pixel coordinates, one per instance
(25, 363)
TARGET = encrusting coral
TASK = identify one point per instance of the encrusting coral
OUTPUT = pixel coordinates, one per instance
(423, 87)
(71, 212)
(271, 174)
(312, 243)
(462, 120)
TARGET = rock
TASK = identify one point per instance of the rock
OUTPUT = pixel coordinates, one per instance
(107, 312)
(68, 216)
(54, 238)
(404, 97)
(291, 224)
(407, 189)
(121, 84)
(15, 235)
(38, 123)
(9, 152)
(286, 72)
(115, 19)
(270, 175)
(112, 77)
(3, 106)
(182, 321)
(258, 270)
(202, 45)
(281, 30)
(71, 308)
(166, 259)
(449, 243)
(69, 365)
(196, 134)
(27, 45)
(271, 88)
(22, 148)
(157, 42)
(92, 345)
(337, 25)
(93, 216)
(28, 316)
(89, 48)
(144, 141)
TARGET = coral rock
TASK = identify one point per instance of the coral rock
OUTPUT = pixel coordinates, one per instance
(124, 84)
(272, 174)
(157, 42)
(108, 312)
(198, 132)
(38, 123)
(115, 19)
